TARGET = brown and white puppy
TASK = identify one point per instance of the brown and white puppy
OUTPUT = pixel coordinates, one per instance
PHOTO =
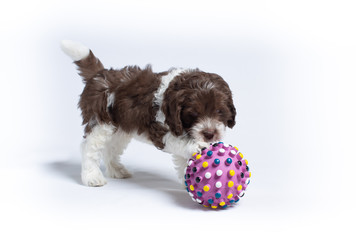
(178, 111)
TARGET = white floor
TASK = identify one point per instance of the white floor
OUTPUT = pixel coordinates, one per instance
(44, 197)
(291, 67)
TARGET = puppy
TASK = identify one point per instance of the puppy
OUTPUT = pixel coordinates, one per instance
(178, 111)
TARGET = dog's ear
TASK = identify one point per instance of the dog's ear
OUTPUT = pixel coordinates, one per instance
(231, 121)
(172, 108)
(222, 86)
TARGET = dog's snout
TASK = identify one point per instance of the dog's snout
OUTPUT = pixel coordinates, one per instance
(209, 134)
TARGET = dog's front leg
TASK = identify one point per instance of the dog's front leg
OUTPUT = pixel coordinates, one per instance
(182, 149)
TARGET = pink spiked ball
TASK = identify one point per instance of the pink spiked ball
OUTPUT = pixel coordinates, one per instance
(218, 177)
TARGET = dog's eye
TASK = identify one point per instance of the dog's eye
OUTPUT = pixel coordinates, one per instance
(189, 118)
(219, 111)
(193, 114)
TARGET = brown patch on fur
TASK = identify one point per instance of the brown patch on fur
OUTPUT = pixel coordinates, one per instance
(133, 108)
(133, 90)
(194, 95)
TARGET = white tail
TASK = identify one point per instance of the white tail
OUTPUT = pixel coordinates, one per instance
(75, 50)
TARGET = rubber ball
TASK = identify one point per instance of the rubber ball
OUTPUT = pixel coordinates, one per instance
(218, 176)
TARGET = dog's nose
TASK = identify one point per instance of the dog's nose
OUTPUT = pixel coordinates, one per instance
(209, 134)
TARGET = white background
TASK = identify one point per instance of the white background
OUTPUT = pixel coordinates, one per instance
(291, 67)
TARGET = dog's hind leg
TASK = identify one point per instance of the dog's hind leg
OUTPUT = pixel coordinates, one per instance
(112, 155)
(92, 148)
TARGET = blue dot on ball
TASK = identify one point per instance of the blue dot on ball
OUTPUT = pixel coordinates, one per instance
(211, 201)
(217, 161)
(209, 153)
(217, 195)
(228, 161)
(199, 194)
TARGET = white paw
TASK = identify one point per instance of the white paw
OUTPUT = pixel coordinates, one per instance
(196, 148)
(93, 178)
(117, 171)
(203, 145)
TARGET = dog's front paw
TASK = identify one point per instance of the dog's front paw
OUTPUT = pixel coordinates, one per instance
(196, 148)
(93, 178)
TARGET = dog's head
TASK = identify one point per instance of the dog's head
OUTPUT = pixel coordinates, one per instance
(199, 104)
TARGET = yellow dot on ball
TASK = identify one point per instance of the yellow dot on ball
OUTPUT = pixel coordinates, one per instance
(239, 188)
(194, 154)
(246, 162)
(250, 174)
(205, 164)
(205, 205)
(230, 196)
(198, 156)
(222, 203)
(236, 148)
(230, 183)
(212, 206)
(206, 188)
(242, 156)
(232, 173)
(191, 187)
